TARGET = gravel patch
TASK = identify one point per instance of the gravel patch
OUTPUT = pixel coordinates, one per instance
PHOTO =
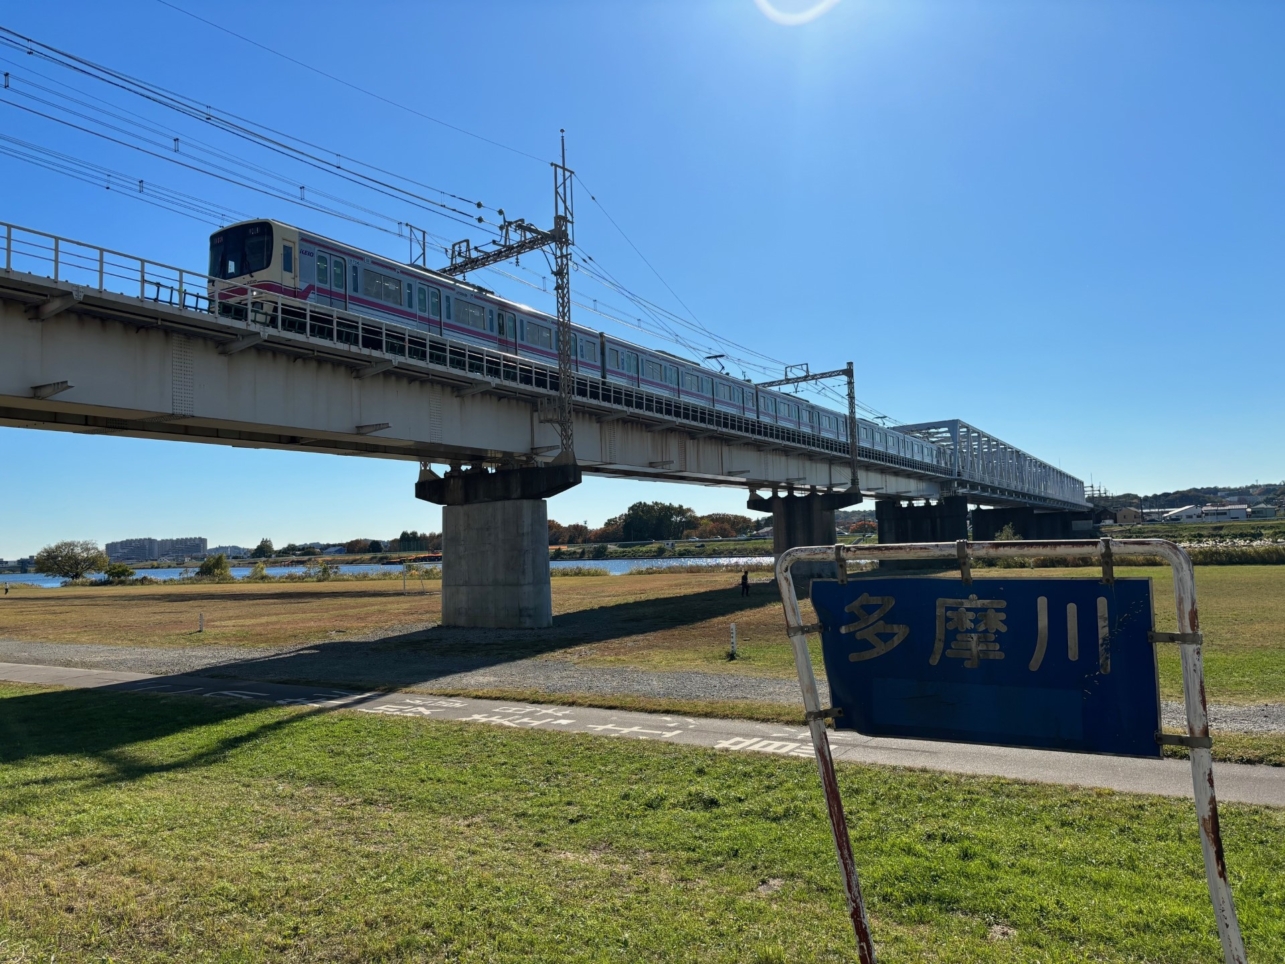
(378, 663)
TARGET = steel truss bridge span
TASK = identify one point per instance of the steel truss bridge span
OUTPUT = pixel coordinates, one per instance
(104, 342)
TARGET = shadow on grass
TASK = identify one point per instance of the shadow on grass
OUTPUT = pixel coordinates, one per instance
(105, 722)
(104, 725)
(422, 656)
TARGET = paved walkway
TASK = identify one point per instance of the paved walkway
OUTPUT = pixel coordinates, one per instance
(1235, 782)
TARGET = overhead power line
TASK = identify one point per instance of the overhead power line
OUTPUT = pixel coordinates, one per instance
(263, 135)
(351, 85)
(149, 192)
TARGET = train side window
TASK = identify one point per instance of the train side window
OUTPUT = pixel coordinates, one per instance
(337, 268)
(707, 385)
(287, 258)
(434, 303)
(323, 271)
(653, 371)
(421, 303)
(448, 307)
(490, 319)
(510, 324)
(613, 358)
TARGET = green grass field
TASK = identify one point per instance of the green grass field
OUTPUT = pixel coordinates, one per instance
(144, 828)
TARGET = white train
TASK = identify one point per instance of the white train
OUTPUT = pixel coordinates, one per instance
(278, 257)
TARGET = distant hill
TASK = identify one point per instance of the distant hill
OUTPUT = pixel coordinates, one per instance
(1203, 495)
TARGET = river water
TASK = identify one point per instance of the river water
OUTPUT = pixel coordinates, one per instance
(614, 567)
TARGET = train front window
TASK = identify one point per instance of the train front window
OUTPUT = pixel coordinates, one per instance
(241, 250)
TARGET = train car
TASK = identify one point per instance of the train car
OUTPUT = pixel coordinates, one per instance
(275, 257)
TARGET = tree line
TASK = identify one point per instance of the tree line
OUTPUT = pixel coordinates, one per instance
(656, 522)
(641, 522)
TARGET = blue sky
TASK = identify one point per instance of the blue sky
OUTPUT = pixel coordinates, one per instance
(1061, 221)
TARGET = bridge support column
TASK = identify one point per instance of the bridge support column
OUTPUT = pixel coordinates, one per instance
(1031, 524)
(945, 521)
(804, 520)
(495, 544)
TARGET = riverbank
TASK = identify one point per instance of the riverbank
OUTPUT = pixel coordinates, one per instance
(413, 572)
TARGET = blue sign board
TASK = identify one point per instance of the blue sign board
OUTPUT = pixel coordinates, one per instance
(1060, 664)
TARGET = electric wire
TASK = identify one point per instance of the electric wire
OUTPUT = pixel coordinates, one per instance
(146, 124)
(232, 123)
(156, 195)
(352, 86)
(259, 189)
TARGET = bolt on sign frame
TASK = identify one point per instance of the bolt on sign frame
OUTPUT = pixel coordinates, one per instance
(1106, 551)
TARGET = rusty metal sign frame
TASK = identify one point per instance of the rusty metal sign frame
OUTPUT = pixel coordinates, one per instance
(1107, 551)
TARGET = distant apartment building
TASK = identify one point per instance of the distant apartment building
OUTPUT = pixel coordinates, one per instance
(150, 550)
(232, 552)
(185, 547)
(132, 550)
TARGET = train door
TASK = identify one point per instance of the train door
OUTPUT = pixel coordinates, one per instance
(506, 330)
(321, 293)
(331, 280)
(421, 304)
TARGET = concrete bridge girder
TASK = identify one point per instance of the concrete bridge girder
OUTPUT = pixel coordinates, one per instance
(139, 377)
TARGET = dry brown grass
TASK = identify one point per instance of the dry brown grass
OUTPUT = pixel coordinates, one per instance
(236, 614)
(606, 617)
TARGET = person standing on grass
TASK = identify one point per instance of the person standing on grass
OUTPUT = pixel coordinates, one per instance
(745, 583)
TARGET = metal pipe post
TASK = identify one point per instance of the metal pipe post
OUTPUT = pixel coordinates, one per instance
(825, 764)
(1202, 767)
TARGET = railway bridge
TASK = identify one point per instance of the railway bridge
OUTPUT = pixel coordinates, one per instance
(102, 342)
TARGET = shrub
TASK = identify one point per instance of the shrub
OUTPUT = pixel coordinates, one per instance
(578, 571)
(214, 568)
(118, 572)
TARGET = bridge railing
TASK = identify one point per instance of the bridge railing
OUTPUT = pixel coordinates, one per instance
(66, 260)
(93, 266)
(339, 326)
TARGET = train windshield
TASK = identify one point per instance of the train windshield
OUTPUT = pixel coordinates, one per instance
(240, 250)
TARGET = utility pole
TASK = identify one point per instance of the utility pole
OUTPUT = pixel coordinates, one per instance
(847, 373)
(564, 237)
(517, 238)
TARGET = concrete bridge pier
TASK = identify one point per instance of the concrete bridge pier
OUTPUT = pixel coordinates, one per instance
(495, 543)
(1031, 524)
(943, 521)
(803, 520)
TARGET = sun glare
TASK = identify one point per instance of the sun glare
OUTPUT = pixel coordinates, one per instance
(795, 19)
